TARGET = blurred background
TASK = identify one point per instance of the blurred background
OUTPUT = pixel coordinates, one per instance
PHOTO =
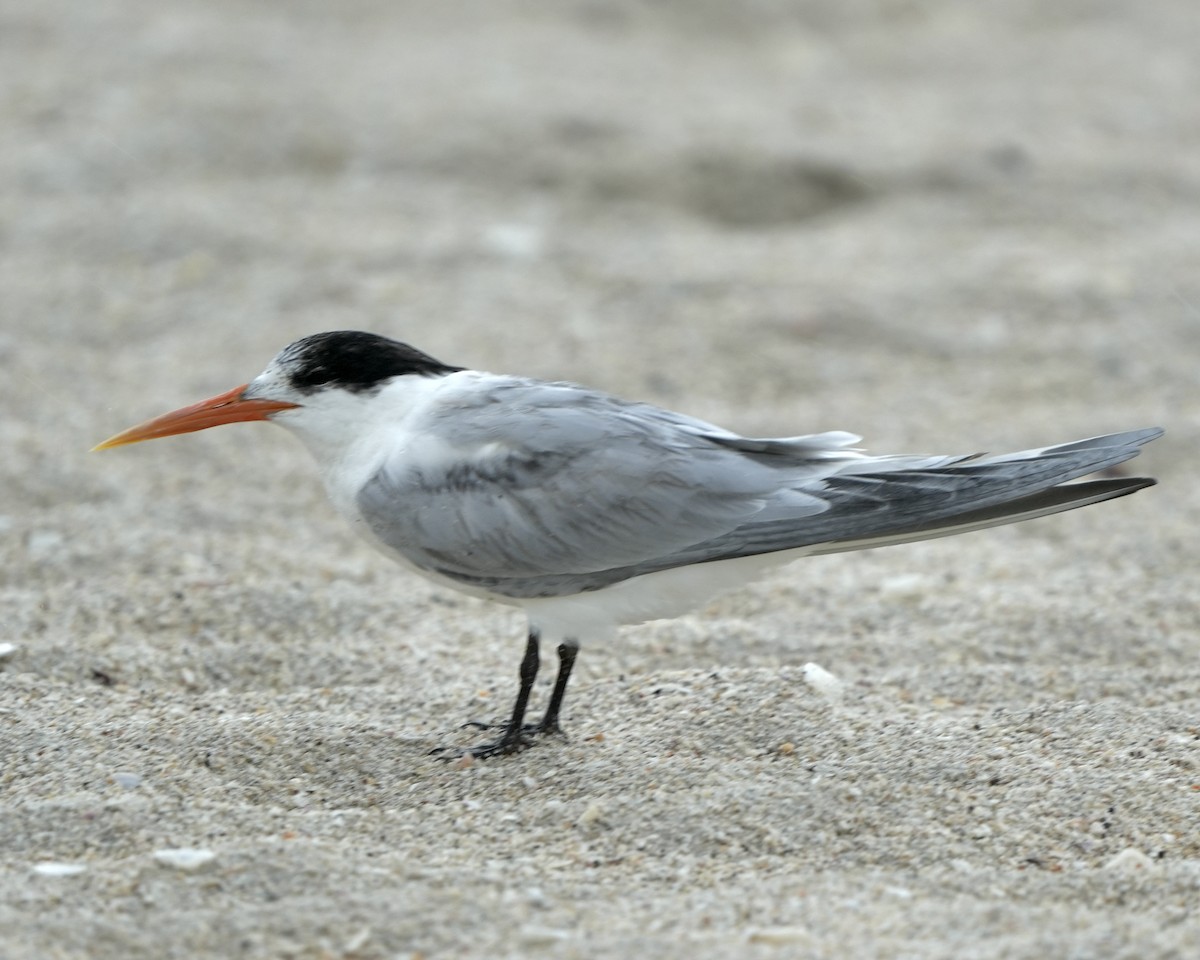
(946, 226)
(746, 205)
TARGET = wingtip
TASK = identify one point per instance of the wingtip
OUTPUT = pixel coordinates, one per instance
(1146, 434)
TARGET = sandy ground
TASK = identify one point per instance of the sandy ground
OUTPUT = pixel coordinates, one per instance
(947, 226)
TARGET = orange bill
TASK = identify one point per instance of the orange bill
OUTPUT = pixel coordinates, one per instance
(230, 407)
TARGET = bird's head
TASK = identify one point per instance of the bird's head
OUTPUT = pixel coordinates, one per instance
(320, 374)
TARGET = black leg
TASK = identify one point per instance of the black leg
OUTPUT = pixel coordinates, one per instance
(517, 734)
(528, 673)
(514, 738)
(566, 660)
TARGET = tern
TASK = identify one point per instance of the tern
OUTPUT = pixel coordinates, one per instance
(589, 511)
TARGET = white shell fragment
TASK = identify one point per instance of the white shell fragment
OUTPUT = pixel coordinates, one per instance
(1129, 860)
(59, 869)
(7, 650)
(535, 936)
(824, 683)
(517, 241)
(908, 587)
(185, 858)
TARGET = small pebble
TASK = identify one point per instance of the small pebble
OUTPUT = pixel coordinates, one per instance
(58, 869)
(127, 780)
(185, 858)
(7, 650)
(536, 897)
(515, 240)
(1129, 860)
(823, 682)
(906, 586)
(532, 936)
(591, 815)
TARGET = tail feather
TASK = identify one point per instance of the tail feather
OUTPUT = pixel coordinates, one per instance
(1055, 500)
(878, 503)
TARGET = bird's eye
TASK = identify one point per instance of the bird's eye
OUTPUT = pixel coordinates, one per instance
(313, 376)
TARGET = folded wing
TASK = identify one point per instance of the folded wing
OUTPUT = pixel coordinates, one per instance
(549, 489)
(532, 480)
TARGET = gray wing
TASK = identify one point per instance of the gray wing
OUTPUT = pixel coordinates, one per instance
(547, 489)
(529, 480)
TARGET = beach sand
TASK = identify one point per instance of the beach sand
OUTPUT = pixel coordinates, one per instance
(947, 227)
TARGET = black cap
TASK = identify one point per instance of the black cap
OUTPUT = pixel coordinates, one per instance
(354, 361)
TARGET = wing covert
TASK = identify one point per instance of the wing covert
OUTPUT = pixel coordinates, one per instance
(539, 479)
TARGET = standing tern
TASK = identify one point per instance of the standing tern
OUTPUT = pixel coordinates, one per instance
(589, 511)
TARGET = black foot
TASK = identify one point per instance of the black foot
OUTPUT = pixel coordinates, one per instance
(497, 748)
(544, 729)
(529, 729)
(504, 746)
(519, 735)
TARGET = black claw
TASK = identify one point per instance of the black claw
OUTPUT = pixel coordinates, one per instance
(544, 729)
(481, 751)
(501, 747)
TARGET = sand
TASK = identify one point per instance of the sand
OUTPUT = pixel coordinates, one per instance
(949, 227)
